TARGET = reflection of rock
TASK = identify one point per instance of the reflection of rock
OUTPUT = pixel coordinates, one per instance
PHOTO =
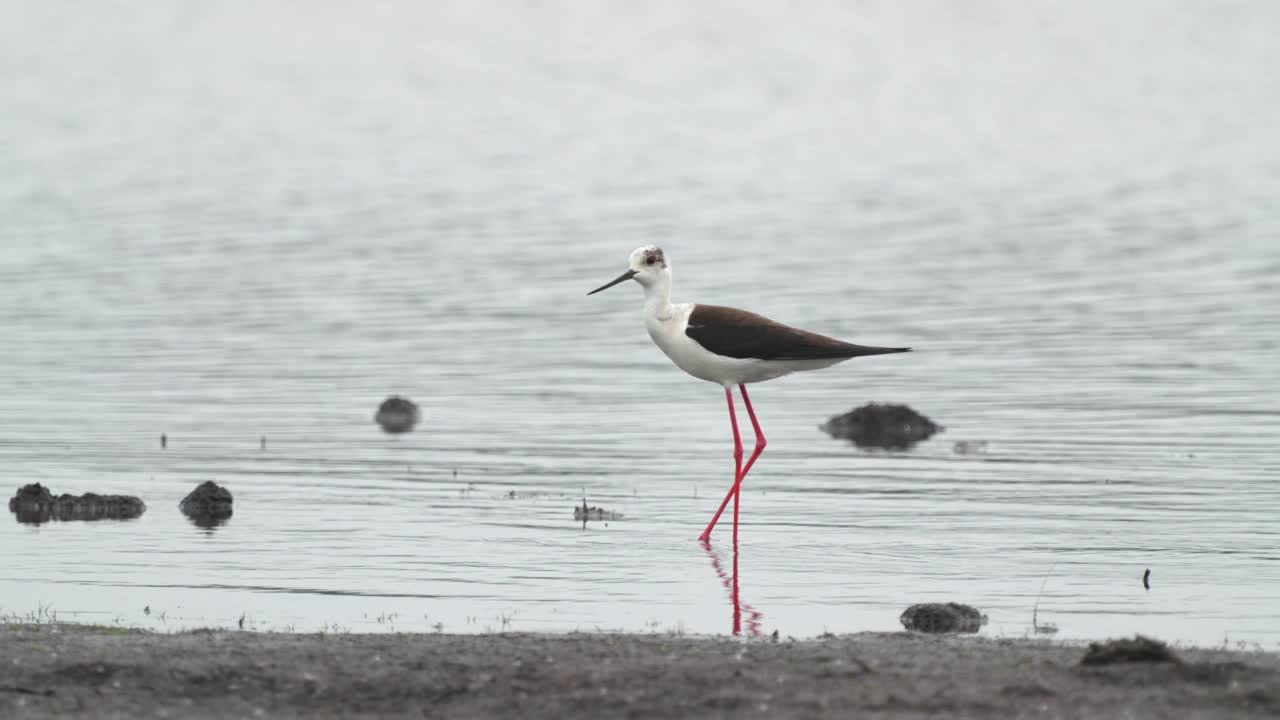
(397, 415)
(1139, 649)
(208, 505)
(942, 618)
(584, 513)
(209, 521)
(969, 447)
(876, 425)
(35, 504)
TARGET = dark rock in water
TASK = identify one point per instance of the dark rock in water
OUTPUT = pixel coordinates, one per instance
(942, 618)
(876, 425)
(208, 505)
(397, 415)
(36, 504)
(33, 493)
(1139, 649)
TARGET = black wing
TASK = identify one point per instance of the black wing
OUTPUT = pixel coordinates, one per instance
(741, 334)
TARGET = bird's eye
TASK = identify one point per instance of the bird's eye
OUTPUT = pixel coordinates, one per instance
(650, 260)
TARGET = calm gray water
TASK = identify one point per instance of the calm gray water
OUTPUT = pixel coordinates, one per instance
(260, 219)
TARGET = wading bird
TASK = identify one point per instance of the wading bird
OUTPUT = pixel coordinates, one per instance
(728, 347)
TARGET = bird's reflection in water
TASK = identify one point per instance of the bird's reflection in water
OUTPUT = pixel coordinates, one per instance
(730, 582)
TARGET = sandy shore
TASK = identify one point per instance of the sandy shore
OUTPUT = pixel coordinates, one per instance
(57, 671)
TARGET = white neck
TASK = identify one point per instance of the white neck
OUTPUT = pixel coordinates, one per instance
(657, 297)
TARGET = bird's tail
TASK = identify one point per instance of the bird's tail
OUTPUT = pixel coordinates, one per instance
(852, 351)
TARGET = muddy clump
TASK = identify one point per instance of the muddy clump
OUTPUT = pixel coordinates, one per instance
(397, 415)
(584, 513)
(208, 505)
(1139, 649)
(36, 504)
(882, 426)
(942, 618)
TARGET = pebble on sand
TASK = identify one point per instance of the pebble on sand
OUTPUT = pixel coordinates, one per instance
(208, 505)
(882, 425)
(397, 415)
(35, 503)
(942, 618)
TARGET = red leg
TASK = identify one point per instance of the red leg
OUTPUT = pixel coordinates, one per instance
(737, 467)
(737, 483)
(755, 453)
(742, 470)
(761, 443)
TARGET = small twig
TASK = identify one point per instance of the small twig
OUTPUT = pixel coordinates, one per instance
(27, 691)
(1035, 609)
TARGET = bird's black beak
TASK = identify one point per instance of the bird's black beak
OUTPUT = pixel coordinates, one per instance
(621, 278)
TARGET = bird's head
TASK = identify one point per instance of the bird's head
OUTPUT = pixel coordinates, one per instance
(647, 265)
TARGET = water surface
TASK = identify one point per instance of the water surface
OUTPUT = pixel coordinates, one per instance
(230, 222)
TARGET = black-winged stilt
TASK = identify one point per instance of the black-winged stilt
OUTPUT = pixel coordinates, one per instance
(728, 347)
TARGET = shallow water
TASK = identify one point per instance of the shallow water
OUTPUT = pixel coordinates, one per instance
(236, 222)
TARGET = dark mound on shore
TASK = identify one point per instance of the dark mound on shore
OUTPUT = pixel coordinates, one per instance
(208, 505)
(35, 504)
(942, 618)
(883, 426)
(1137, 650)
(397, 415)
